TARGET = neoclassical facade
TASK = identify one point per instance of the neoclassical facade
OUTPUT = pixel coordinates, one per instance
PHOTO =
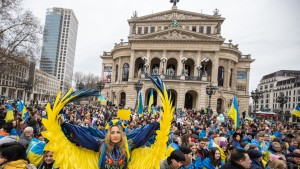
(186, 49)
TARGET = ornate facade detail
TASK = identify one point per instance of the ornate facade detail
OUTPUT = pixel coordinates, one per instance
(174, 15)
(174, 35)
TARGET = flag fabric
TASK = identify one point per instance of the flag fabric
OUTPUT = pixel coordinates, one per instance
(124, 114)
(234, 112)
(249, 118)
(102, 99)
(20, 106)
(296, 111)
(10, 114)
(35, 151)
(150, 102)
(277, 135)
(140, 105)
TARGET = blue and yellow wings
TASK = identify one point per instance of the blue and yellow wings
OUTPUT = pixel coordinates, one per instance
(151, 156)
(66, 154)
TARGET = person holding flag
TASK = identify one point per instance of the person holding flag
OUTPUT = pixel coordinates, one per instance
(296, 111)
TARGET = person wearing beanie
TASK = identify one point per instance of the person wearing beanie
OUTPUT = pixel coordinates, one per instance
(174, 161)
(255, 157)
(223, 150)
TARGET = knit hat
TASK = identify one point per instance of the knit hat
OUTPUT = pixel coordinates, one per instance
(274, 157)
(185, 150)
(177, 155)
(254, 154)
(223, 143)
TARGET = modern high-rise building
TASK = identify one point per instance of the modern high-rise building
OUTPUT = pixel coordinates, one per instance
(59, 44)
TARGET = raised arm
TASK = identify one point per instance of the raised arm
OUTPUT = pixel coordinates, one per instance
(144, 135)
(80, 136)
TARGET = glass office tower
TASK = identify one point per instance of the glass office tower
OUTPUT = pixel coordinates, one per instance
(59, 44)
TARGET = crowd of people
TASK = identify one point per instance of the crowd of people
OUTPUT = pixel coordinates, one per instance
(197, 140)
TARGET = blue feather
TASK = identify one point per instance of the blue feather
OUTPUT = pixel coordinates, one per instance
(81, 93)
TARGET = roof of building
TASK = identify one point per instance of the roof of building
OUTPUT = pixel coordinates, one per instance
(291, 73)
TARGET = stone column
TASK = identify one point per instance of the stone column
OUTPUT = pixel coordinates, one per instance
(131, 69)
(0, 90)
(234, 76)
(215, 66)
(180, 67)
(248, 80)
(120, 71)
(102, 73)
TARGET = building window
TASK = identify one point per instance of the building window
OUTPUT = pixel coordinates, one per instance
(201, 29)
(152, 29)
(208, 30)
(166, 27)
(271, 85)
(266, 86)
(221, 76)
(139, 30)
(146, 30)
(117, 72)
(194, 28)
(125, 72)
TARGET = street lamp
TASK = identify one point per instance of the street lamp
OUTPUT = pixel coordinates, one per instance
(256, 95)
(210, 90)
(183, 60)
(163, 60)
(281, 99)
(100, 86)
(80, 86)
(137, 86)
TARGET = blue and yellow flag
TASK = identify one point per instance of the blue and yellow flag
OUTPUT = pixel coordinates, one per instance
(35, 151)
(20, 106)
(296, 111)
(150, 102)
(10, 114)
(234, 112)
(249, 118)
(102, 99)
(140, 106)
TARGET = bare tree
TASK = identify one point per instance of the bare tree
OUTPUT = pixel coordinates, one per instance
(20, 32)
(90, 80)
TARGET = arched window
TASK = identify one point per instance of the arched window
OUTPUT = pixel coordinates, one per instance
(125, 72)
(117, 73)
(122, 99)
(221, 76)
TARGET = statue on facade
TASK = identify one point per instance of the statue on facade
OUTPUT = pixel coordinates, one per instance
(175, 24)
(174, 2)
(135, 14)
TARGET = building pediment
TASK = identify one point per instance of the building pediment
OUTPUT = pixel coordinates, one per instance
(175, 14)
(176, 34)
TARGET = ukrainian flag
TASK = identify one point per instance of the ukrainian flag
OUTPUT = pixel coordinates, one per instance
(35, 151)
(25, 115)
(102, 100)
(234, 112)
(20, 106)
(277, 135)
(249, 118)
(140, 106)
(10, 114)
(296, 111)
(150, 102)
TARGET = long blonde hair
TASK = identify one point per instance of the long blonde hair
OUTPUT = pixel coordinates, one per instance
(110, 145)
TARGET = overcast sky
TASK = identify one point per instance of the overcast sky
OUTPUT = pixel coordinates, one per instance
(269, 30)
